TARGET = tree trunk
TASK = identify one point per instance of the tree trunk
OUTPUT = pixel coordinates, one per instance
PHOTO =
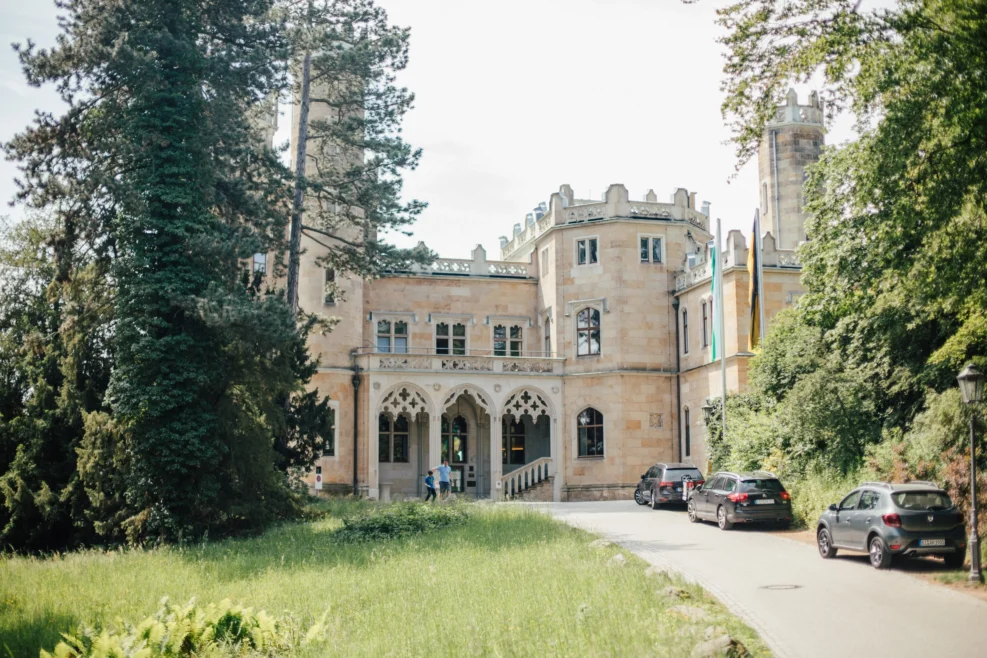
(298, 202)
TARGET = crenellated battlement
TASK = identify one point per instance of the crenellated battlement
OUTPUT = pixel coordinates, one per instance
(792, 112)
(564, 208)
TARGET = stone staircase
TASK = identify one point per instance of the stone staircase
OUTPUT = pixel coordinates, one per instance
(539, 493)
(531, 482)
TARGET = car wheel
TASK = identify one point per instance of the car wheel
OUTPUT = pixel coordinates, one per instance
(691, 511)
(654, 500)
(721, 518)
(954, 560)
(880, 556)
(639, 497)
(825, 543)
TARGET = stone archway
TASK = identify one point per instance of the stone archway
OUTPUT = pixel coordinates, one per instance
(400, 466)
(529, 436)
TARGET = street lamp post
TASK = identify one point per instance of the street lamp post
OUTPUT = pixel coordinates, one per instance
(972, 387)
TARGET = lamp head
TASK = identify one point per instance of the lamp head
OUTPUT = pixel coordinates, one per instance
(971, 384)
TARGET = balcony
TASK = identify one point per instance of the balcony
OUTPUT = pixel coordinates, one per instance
(481, 361)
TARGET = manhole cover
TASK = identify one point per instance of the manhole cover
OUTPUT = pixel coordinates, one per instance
(781, 587)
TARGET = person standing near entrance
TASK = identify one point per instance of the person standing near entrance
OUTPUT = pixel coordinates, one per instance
(445, 485)
(430, 487)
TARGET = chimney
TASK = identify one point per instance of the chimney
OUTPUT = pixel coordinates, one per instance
(503, 241)
(705, 210)
(517, 230)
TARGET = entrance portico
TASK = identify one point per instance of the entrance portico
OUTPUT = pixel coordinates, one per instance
(490, 437)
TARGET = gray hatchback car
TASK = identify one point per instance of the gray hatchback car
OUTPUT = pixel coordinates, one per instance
(886, 520)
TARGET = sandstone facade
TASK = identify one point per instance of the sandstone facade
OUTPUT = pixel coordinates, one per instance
(575, 361)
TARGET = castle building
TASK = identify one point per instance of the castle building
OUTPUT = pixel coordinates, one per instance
(568, 365)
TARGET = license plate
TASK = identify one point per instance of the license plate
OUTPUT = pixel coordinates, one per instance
(932, 542)
(678, 488)
(764, 501)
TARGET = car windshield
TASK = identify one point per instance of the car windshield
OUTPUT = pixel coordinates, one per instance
(764, 485)
(678, 474)
(922, 500)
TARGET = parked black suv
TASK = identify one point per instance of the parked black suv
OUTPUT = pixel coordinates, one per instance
(667, 483)
(885, 520)
(730, 498)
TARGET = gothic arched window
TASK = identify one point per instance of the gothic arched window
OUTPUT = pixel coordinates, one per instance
(454, 433)
(589, 424)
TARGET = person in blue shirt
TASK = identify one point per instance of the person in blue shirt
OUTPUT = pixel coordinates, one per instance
(445, 485)
(430, 487)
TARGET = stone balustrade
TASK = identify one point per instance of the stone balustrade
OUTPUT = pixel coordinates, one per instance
(450, 363)
(526, 476)
(477, 265)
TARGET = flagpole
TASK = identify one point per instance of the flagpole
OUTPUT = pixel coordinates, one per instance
(723, 342)
(760, 275)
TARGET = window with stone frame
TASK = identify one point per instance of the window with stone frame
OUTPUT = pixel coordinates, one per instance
(588, 334)
(687, 425)
(329, 440)
(512, 441)
(650, 249)
(548, 336)
(589, 424)
(450, 342)
(544, 262)
(392, 439)
(329, 287)
(705, 337)
(454, 439)
(260, 263)
(392, 336)
(587, 252)
(685, 331)
(508, 342)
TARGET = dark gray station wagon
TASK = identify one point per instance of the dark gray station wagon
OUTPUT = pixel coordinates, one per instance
(886, 520)
(730, 498)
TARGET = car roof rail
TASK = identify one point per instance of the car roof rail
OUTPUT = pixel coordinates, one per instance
(924, 483)
(885, 485)
(764, 474)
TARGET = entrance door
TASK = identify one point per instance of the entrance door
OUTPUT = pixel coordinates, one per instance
(455, 434)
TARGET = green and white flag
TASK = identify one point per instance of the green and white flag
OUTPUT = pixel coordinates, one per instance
(715, 303)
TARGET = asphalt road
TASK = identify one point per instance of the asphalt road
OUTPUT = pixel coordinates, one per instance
(803, 606)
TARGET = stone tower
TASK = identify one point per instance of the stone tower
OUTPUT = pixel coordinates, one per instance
(792, 140)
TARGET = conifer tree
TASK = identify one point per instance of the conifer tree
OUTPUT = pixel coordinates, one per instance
(157, 165)
(348, 152)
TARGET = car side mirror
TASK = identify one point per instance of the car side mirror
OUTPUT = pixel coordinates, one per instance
(834, 508)
(644, 476)
(698, 487)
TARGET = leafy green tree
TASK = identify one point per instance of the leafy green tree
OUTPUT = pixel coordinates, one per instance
(157, 166)
(898, 228)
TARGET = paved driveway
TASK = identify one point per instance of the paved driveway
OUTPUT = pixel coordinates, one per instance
(840, 607)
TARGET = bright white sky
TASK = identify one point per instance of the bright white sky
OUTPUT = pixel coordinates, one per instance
(516, 97)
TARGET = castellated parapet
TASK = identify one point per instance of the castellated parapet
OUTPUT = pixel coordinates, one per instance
(792, 140)
(565, 209)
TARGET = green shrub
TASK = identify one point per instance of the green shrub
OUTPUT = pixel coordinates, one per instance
(816, 491)
(401, 519)
(220, 630)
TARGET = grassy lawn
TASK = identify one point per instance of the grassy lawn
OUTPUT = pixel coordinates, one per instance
(508, 582)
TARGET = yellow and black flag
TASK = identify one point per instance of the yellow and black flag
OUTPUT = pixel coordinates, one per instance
(755, 272)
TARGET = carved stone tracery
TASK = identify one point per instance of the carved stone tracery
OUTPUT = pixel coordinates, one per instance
(404, 400)
(528, 402)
